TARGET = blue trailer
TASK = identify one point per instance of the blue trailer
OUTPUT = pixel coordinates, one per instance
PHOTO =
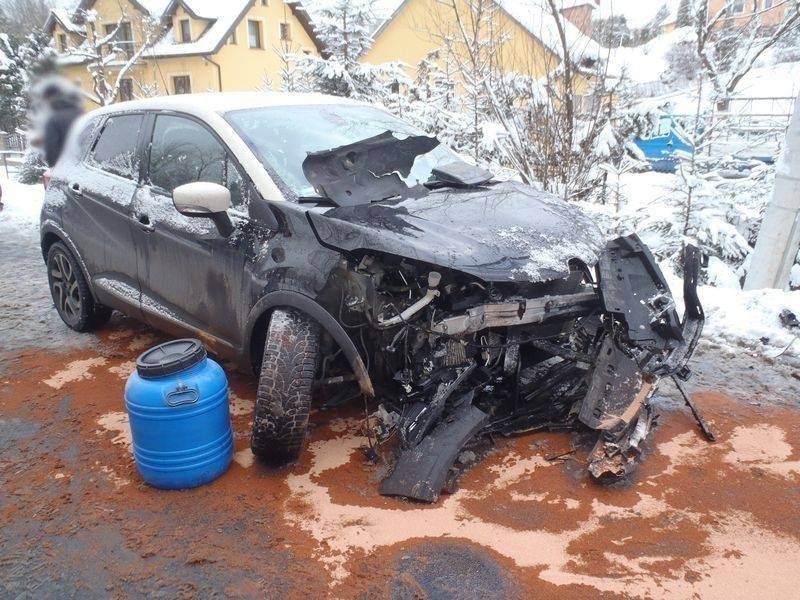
(663, 147)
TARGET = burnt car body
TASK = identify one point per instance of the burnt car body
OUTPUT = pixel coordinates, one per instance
(459, 305)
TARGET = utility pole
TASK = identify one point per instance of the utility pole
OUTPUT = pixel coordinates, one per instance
(779, 237)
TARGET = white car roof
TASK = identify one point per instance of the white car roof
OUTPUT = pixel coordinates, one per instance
(220, 102)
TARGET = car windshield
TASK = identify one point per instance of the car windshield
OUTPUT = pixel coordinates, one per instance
(282, 137)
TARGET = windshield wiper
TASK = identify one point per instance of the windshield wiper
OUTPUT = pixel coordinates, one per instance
(316, 200)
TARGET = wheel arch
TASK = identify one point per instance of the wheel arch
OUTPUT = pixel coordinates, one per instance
(258, 321)
(52, 233)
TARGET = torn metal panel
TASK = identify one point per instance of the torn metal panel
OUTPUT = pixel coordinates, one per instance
(421, 471)
(693, 321)
(614, 390)
(367, 171)
(634, 288)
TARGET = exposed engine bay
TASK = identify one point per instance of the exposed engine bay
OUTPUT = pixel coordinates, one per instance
(455, 358)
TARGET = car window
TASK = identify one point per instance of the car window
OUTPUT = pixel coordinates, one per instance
(115, 149)
(184, 151)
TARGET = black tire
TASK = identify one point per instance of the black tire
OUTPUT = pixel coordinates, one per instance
(283, 401)
(70, 291)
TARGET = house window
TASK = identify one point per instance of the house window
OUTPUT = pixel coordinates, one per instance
(62, 42)
(126, 89)
(286, 32)
(186, 31)
(263, 2)
(232, 37)
(122, 40)
(181, 84)
(254, 34)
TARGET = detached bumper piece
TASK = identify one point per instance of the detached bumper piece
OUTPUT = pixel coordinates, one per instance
(421, 470)
(647, 342)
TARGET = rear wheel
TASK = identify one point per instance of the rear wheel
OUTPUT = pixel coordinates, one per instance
(283, 400)
(70, 291)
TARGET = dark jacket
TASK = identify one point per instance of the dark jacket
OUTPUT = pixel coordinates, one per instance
(57, 126)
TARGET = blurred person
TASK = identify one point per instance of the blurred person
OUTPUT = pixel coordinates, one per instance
(61, 104)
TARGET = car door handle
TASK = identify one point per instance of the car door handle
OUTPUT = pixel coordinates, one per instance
(76, 189)
(143, 221)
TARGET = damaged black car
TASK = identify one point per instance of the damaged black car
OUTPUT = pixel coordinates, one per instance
(334, 249)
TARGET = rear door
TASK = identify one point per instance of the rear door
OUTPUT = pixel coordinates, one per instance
(98, 216)
(189, 274)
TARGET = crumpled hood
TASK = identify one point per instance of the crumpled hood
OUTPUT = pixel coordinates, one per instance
(504, 232)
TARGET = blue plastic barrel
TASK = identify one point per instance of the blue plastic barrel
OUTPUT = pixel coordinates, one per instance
(177, 402)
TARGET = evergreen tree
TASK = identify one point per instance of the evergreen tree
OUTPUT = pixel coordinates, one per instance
(23, 61)
(32, 168)
(344, 27)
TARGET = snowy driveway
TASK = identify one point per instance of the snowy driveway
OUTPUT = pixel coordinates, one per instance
(718, 521)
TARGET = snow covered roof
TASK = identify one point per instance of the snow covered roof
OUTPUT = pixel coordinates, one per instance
(207, 9)
(61, 16)
(532, 15)
(225, 16)
(535, 16)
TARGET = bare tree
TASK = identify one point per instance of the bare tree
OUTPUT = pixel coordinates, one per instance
(23, 17)
(552, 100)
(110, 56)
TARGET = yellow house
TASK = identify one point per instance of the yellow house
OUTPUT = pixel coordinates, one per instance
(154, 47)
(523, 33)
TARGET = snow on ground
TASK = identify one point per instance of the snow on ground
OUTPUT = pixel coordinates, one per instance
(646, 63)
(637, 13)
(21, 204)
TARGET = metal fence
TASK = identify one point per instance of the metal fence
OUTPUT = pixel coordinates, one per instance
(11, 161)
(13, 141)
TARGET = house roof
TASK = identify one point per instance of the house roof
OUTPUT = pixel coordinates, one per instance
(61, 16)
(222, 17)
(535, 17)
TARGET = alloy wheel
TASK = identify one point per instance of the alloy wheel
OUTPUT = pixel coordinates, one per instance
(66, 291)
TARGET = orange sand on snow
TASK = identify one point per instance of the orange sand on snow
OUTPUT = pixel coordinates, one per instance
(706, 520)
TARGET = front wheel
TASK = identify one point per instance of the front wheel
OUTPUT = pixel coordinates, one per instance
(283, 400)
(70, 291)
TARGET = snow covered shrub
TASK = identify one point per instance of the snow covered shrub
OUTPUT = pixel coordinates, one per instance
(33, 167)
(682, 64)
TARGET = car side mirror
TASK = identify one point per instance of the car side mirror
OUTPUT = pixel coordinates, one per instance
(205, 199)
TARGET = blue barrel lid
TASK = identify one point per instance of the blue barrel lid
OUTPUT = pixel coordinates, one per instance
(170, 358)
